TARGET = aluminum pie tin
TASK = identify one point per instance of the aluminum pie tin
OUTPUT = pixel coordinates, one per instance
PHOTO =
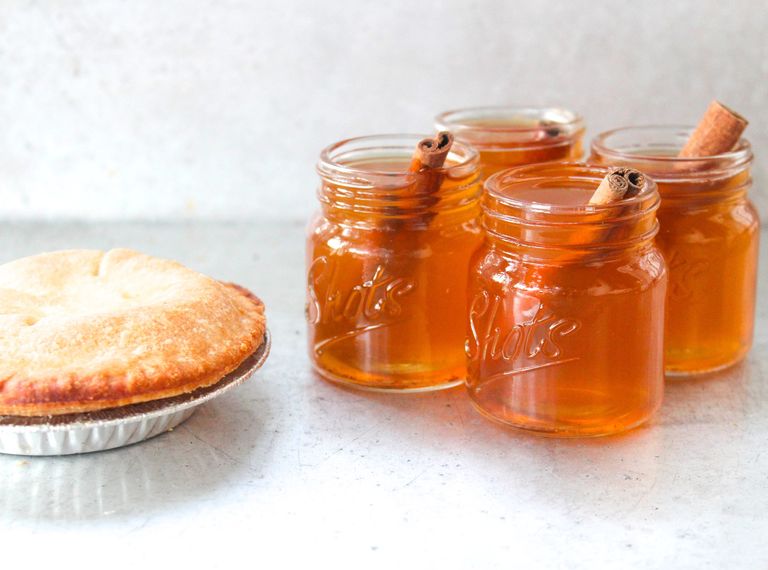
(117, 427)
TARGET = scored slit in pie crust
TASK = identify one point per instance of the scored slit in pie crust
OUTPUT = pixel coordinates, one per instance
(85, 330)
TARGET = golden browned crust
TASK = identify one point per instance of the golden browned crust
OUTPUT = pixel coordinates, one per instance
(86, 330)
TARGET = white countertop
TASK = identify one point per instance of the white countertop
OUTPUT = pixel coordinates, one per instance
(288, 471)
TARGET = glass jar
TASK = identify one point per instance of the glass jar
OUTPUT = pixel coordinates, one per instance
(709, 236)
(566, 302)
(387, 268)
(516, 136)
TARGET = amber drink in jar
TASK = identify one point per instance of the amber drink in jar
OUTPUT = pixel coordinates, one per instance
(508, 136)
(709, 236)
(566, 304)
(387, 260)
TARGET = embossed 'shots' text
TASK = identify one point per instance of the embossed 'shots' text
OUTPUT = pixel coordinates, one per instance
(375, 303)
(684, 273)
(530, 340)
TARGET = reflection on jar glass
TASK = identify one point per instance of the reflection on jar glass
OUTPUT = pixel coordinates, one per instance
(709, 237)
(387, 267)
(516, 136)
(566, 304)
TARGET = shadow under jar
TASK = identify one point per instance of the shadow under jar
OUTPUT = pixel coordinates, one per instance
(516, 136)
(709, 237)
(387, 265)
(566, 303)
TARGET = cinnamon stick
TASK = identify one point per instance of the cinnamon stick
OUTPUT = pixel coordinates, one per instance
(430, 154)
(551, 128)
(618, 184)
(547, 128)
(718, 131)
(427, 163)
(635, 179)
(611, 189)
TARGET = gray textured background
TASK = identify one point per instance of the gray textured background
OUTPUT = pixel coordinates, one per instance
(187, 109)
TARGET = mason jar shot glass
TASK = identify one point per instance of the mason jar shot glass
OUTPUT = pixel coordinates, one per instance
(510, 136)
(387, 265)
(709, 237)
(566, 304)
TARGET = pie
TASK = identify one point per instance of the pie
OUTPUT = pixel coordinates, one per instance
(85, 330)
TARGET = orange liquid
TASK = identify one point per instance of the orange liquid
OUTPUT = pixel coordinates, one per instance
(712, 257)
(387, 298)
(493, 161)
(543, 147)
(563, 347)
(709, 239)
(556, 196)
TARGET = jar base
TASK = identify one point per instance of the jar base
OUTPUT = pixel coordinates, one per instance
(390, 389)
(561, 433)
(675, 374)
(679, 373)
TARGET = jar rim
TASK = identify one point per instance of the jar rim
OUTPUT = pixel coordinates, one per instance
(600, 145)
(538, 226)
(645, 200)
(455, 120)
(330, 162)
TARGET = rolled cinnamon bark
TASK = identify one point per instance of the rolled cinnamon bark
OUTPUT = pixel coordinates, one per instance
(551, 128)
(618, 184)
(427, 163)
(431, 153)
(634, 178)
(426, 166)
(612, 189)
(547, 128)
(718, 131)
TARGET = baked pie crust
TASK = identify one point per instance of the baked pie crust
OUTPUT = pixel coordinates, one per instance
(85, 330)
